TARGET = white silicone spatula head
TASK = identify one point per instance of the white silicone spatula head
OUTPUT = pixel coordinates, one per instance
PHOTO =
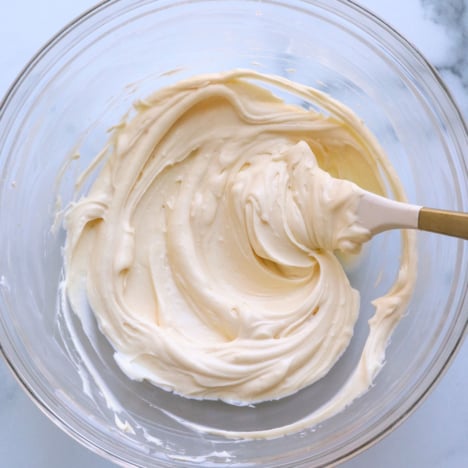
(379, 214)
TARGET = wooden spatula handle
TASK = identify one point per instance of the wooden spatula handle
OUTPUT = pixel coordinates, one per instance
(451, 223)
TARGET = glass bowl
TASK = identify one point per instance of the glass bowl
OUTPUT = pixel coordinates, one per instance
(83, 81)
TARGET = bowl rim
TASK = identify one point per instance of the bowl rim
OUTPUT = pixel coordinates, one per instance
(349, 4)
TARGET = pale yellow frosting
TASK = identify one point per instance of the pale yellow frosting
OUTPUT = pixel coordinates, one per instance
(206, 246)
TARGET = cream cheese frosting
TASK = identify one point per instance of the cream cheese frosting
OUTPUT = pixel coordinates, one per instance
(206, 247)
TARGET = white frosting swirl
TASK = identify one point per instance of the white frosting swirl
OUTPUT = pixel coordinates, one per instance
(206, 244)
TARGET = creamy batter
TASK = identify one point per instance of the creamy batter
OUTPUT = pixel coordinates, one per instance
(206, 246)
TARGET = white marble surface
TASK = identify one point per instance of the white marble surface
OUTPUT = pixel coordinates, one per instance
(436, 435)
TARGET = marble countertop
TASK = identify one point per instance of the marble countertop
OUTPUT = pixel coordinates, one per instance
(436, 434)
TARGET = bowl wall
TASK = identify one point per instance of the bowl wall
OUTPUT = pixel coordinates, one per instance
(84, 81)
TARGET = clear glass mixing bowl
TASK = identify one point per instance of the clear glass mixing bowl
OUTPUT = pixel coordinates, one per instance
(84, 80)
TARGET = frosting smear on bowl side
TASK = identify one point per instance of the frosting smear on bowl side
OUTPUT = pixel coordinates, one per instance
(207, 244)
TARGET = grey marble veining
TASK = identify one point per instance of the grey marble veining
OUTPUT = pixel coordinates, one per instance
(439, 30)
(453, 16)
